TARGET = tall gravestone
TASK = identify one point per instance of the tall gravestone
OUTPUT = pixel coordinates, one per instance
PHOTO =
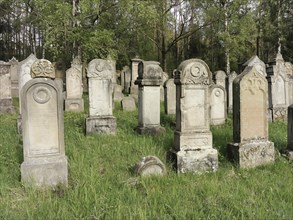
(101, 119)
(14, 77)
(218, 105)
(6, 105)
(45, 163)
(74, 90)
(170, 97)
(134, 74)
(193, 143)
(279, 88)
(251, 146)
(231, 78)
(149, 80)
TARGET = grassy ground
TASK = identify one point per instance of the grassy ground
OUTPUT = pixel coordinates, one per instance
(102, 184)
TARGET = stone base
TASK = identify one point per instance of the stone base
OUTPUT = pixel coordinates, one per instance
(101, 125)
(218, 121)
(6, 106)
(192, 141)
(45, 173)
(151, 130)
(74, 105)
(252, 154)
(195, 161)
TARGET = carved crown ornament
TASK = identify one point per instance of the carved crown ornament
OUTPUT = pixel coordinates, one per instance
(99, 68)
(193, 72)
(42, 68)
(254, 81)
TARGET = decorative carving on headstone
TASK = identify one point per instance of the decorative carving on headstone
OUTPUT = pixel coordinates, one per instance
(100, 69)
(42, 68)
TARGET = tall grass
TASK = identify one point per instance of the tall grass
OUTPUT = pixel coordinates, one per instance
(102, 184)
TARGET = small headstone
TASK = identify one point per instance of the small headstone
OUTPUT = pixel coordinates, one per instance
(128, 104)
(134, 74)
(218, 105)
(117, 94)
(220, 78)
(150, 166)
(14, 77)
(170, 97)
(251, 146)
(74, 90)
(6, 105)
(45, 163)
(101, 119)
(149, 80)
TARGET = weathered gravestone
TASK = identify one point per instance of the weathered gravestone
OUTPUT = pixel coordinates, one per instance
(149, 80)
(278, 88)
(162, 92)
(6, 105)
(117, 94)
(170, 97)
(74, 90)
(128, 104)
(259, 65)
(45, 163)
(134, 74)
(251, 146)
(218, 106)
(193, 145)
(150, 166)
(14, 77)
(289, 71)
(126, 79)
(220, 78)
(101, 119)
(231, 78)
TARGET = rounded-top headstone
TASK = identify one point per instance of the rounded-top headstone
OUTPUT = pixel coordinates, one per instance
(149, 166)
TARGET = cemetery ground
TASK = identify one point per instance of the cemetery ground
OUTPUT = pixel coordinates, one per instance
(103, 185)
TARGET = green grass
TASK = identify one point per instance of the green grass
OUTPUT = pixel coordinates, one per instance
(102, 184)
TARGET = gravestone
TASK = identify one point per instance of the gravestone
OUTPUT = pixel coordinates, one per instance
(45, 163)
(257, 63)
(279, 81)
(170, 97)
(117, 94)
(231, 78)
(290, 132)
(6, 105)
(14, 77)
(150, 166)
(220, 78)
(74, 90)
(126, 79)
(162, 92)
(128, 104)
(134, 74)
(218, 105)
(251, 146)
(101, 119)
(149, 80)
(289, 71)
(193, 143)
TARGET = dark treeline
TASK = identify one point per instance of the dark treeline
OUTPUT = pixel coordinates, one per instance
(224, 33)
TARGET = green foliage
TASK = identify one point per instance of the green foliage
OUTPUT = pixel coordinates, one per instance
(102, 184)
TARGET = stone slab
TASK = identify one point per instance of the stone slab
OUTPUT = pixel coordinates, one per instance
(150, 166)
(74, 105)
(151, 130)
(101, 125)
(128, 104)
(252, 154)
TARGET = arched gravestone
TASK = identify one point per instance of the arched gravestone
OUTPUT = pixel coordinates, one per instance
(218, 106)
(150, 166)
(45, 163)
(101, 119)
(251, 146)
(193, 148)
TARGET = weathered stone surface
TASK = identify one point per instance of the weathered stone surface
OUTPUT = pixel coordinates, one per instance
(6, 105)
(149, 81)
(170, 97)
(218, 105)
(259, 65)
(134, 75)
(74, 105)
(150, 166)
(220, 78)
(45, 163)
(128, 104)
(231, 78)
(192, 148)
(126, 79)
(100, 98)
(43, 68)
(250, 124)
(117, 94)
(14, 77)
(165, 77)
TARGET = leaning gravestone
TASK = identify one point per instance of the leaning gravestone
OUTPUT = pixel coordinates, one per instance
(128, 104)
(150, 166)
(231, 78)
(74, 90)
(45, 163)
(101, 119)
(218, 105)
(149, 80)
(251, 146)
(6, 105)
(193, 143)
(170, 97)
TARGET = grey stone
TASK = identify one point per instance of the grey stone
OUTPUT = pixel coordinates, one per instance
(6, 105)
(150, 166)
(134, 74)
(14, 77)
(101, 125)
(231, 78)
(170, 97)
(218, 105)
(128, 104)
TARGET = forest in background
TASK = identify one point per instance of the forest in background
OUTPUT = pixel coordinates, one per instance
(224, 33)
